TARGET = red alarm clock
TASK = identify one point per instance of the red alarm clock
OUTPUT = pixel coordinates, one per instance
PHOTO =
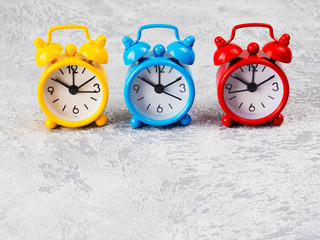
(252, 87)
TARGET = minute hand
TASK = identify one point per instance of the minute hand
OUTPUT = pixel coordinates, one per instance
(268, 79)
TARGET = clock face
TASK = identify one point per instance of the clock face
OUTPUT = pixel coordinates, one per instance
(253, 91)
(72, 93)
(159, 92)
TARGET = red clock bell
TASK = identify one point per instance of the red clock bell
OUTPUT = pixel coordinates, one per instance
(252, 87)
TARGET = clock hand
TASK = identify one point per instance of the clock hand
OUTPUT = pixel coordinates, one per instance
(252, 81)
(178, 79)
(239, 79)
(266, 80)
(239, 91)
(62, 83)
(88, 91)
(145, 80)
(172, 95)
(86, 82)
(159, 73)
(254, 67)
(73, 72)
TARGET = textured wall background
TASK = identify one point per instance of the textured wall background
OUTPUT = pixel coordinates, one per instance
(199, 182)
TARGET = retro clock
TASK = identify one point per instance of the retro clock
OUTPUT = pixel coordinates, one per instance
(159, 89)
(252, 86)
(73, 89)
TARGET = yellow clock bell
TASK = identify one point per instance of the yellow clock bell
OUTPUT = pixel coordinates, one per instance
(73, 87)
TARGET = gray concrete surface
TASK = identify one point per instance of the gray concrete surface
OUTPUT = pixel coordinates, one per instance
(203, 181)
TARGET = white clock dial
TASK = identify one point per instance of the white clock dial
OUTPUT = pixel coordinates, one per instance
(72, 93)
(159, 92)
(253, 91)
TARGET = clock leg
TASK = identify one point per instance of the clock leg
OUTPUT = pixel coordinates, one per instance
(227, 121)
(186, 120)
(278, 120)
(50, 124)
(101, 121)
(135, 122)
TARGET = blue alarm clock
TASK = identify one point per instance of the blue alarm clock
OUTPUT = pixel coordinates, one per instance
(159, 88)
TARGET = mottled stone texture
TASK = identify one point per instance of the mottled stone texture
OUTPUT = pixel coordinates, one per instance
(203, 181)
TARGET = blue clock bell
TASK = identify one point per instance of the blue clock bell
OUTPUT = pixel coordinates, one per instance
(159, 88)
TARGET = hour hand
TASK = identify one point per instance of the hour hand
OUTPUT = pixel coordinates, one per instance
(86, 82)
(266, 80)
(58, 81)
(178, 79)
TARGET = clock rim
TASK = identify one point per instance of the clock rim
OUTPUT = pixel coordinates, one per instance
(134, 70)
(242, 62)
(97, 70)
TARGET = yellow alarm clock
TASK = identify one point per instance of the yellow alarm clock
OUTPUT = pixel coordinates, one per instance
(73, 87)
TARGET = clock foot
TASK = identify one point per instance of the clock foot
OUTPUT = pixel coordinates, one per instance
(278, 120)
(135, 122)
(50, 124)
(101, 121)
(227, 121)
(186, 120)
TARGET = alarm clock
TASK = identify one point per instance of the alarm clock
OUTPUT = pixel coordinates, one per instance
(159, 89)
(72, 89)
(252, 87)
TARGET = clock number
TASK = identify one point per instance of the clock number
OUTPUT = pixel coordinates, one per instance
(73, 68)
(252, 108)
(254, 67)
(229, 87)
(136, 87)
(50, 90)
(276, 85)
(183, 88)
(160, 68)
(159, 109)
(97, 86)
(75, 110)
